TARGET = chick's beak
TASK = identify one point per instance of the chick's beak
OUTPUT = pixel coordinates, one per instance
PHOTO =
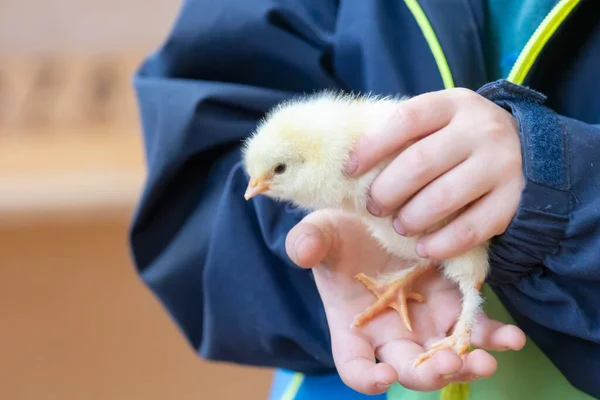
(255, 187)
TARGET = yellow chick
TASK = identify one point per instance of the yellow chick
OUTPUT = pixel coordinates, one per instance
(298, 153)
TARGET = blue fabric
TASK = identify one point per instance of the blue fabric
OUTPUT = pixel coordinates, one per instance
(326, 386)
(509, 25)
(542, 135)
(217, 263)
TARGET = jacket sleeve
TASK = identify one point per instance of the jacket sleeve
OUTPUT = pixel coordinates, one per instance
(546, 266)
(216, 262)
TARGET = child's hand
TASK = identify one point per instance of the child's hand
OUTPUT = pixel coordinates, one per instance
(337, 247)
(466, 152)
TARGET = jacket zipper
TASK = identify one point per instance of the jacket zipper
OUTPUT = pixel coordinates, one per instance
(432, 41)
(538, 40)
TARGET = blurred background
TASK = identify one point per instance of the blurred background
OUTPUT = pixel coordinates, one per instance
(75, 320)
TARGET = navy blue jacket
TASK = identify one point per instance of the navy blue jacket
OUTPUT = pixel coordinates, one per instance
(218, 263)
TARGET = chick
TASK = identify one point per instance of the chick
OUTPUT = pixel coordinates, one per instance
(297, 154)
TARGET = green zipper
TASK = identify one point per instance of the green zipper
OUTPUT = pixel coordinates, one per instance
(432, 41)
(538, 40)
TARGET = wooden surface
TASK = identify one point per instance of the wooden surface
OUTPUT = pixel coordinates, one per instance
(90, 26)
(77, 324)
(68, 174)
(69, 134)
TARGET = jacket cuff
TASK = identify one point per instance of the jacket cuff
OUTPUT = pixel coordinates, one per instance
(541, 219)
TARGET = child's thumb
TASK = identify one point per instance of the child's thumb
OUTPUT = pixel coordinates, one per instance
(308, 243)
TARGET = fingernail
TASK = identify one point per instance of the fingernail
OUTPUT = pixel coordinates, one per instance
(383, 386)
(421, 250)
(449, 376)
(398, 227)
(373, 209)
(351, 164)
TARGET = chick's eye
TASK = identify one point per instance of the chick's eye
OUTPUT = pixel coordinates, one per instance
(280, 168)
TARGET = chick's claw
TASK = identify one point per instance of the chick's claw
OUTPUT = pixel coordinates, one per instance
(457, 342)
(389, 295)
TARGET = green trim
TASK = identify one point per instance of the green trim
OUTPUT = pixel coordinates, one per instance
(538, 40)
(293, 387)
(432, 41)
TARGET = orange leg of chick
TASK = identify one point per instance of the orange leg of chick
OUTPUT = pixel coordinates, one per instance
(460, 339)
(391, 295)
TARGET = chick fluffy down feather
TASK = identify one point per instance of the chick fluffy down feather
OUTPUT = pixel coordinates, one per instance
(313, 136)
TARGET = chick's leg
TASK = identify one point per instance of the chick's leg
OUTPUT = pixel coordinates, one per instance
(460, 339)
(391, 292)
(469, 272)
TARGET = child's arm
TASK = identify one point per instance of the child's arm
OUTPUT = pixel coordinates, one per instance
(216, 262)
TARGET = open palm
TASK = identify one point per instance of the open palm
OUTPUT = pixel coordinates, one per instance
(337, 247)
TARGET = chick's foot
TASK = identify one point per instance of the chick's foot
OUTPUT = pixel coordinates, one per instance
(390, 294)
(458, 342)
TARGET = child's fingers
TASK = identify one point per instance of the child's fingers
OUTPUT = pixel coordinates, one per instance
(456, 188)
(477, 364)
(416, 167)
(309, 242)
(355, 362)
(431, 375)
(411, 119)
(474, 226)
(493, 335)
